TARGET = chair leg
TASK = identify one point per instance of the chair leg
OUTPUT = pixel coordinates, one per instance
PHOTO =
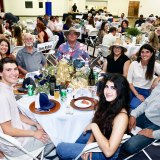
(146, 154)
(42, 154)
(94, 50)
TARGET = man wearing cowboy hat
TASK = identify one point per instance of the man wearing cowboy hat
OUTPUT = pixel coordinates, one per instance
(72, 49)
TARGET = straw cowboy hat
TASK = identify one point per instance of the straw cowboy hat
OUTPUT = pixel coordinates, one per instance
(118, 43)
(71, 29)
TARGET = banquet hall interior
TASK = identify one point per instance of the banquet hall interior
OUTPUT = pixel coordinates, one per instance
(59, 92)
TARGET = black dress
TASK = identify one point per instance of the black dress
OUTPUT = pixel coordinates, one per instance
(116, 66)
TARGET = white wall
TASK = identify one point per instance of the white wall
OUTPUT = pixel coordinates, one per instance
(116, 7)
(96, 5)
(17, 7)
(148, 7)
(79, 3)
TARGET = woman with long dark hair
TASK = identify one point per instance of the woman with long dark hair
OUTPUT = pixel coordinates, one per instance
(17, 34)
(42, 36)
(108, 125)
(124, 26)
(103, 31)
(4, 48)
(141, 75)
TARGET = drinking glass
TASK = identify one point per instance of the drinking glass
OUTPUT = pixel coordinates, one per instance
(93, 90)
(56, 93)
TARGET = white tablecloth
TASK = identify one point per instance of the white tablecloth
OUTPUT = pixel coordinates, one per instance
(60, 127)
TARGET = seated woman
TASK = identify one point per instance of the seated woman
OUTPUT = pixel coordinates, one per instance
(117, 61)
(108, 125)
(17, 39)
(68, 23)
(141, 74)
(89, 27)
(42, 35)
(4, 48)
(124, 26)
(103, 31)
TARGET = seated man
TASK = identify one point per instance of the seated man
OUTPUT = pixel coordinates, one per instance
(109, 39)
(72, 48)
(28, 132)
(147, 117)
(28, 58)
(139, 21)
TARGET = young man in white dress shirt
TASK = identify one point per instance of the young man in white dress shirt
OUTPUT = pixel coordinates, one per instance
(28, 132)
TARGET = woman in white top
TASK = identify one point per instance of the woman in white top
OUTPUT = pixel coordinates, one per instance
(141, 75)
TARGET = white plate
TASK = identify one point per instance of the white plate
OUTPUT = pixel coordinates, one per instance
(79, 103)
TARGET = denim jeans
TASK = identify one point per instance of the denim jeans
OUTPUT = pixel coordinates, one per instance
(135, 102)
(69, 151)
(138, 142)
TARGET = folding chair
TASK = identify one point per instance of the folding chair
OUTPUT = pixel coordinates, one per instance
(104, 50)
(91, 40)
(50, 57)
(93, 147)
(11, 141)
(144, 151)
(16, 49)
(55, 41)
(94, 61)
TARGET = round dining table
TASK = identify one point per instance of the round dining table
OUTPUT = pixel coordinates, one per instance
(61, 126)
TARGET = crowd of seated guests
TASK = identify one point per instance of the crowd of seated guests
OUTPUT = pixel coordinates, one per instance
(141, 73)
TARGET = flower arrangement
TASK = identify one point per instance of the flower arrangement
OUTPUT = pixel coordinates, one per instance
(66, 74)
(42, 80)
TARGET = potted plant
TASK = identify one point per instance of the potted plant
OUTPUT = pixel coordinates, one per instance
(133, 32)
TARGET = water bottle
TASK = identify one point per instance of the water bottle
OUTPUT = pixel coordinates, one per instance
(30, 90)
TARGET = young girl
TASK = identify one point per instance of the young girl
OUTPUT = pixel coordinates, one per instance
(108, 125)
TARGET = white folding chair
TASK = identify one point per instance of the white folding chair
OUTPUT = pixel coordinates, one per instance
(91, 40)
(93, 147)
(55, 41)
(143, 150)
(11, 141)
(50, 57)
(16, 49)
(104, 50)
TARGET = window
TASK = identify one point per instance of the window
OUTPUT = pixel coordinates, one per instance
(28, 4)
(40, 4)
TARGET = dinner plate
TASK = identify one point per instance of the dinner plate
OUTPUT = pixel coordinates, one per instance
(92, 106)
(52, 110)
(17, 89)
(83, 103)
